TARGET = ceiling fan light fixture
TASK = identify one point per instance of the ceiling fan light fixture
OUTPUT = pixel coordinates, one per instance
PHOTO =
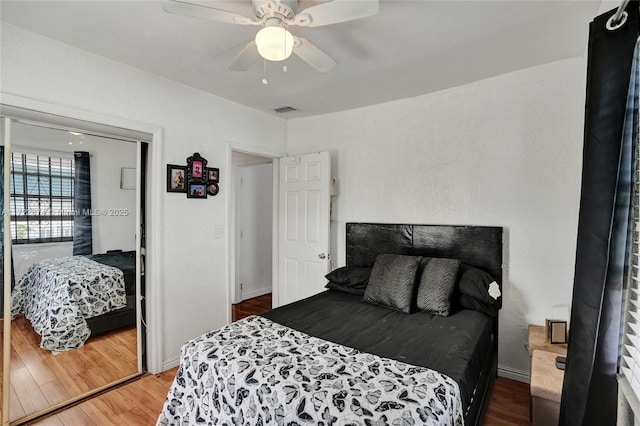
(274, 43)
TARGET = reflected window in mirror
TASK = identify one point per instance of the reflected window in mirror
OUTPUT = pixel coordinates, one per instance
(42, 198)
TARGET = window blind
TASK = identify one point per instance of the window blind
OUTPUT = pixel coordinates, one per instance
(42, 205)
(630, 363)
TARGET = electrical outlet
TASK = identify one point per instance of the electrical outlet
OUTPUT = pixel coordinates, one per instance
(219, 231)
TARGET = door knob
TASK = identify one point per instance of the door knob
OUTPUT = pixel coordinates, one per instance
(322, 256)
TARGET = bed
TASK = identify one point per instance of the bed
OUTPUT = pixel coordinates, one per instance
(332, 359)
(68, 299)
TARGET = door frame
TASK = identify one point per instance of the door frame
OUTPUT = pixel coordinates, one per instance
(231, 225)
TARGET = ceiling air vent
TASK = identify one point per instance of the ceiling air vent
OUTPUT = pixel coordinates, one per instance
(284, 109)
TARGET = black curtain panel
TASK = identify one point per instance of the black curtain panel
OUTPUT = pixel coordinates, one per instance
(82, 229)
(2, 230)
(589, 394)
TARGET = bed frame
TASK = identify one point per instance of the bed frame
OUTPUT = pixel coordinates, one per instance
(479, 246)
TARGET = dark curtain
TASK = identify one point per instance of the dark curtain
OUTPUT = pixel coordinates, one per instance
(589, 394)
(82, 229)
(2, 234)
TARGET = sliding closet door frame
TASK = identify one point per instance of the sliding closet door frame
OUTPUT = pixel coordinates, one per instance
(6, 286)
(154, 190)
(139, 270)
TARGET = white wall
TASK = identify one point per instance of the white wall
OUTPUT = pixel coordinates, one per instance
(192, 277)
(506, 151)
(254, 209)
(114, 224)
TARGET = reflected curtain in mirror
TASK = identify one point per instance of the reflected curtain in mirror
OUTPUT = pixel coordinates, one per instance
(2, 209)
(604, 230)
(82, 224)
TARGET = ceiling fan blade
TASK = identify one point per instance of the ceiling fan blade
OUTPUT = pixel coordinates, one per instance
(311, 54)
(336, 11)
(203, 12)
(248, 55)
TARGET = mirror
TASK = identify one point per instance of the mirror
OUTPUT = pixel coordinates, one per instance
(74, 249)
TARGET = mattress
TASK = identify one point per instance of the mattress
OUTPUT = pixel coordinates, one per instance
(458, 345)
(123, 260)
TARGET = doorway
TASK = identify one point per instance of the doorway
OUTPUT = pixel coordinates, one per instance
(253, 232)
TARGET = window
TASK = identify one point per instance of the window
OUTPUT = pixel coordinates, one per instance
(630, 362)
(42, 207)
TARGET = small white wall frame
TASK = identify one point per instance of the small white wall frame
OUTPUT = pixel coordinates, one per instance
(127, 178)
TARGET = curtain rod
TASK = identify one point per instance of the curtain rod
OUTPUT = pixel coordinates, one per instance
(618, 15)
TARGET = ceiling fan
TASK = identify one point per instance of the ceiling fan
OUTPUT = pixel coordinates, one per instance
(274, 42)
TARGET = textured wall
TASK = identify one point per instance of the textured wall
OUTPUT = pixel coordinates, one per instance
(506, 151)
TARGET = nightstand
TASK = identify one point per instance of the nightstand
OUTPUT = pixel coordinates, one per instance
(546, 378)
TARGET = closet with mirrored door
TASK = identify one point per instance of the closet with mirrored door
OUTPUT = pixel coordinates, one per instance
(72, 240)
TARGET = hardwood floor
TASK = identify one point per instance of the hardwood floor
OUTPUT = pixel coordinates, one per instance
(509, 404)
(139, 403)
(254, 306)
(41, 379)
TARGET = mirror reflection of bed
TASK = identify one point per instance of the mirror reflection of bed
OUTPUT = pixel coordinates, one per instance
(80, 334)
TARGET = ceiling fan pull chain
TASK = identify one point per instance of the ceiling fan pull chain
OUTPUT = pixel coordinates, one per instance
(264, 72)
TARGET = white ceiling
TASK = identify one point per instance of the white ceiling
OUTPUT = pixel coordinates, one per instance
(408, 49)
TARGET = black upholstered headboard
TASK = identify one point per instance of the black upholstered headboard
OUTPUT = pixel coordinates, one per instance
(479, 246)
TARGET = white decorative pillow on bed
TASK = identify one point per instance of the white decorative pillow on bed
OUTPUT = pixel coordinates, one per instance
(436, 285)
(391, 282)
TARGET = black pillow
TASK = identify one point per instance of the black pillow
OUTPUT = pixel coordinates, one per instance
(436, 285)
(391, 282)
(480, 286)
(350, 275)
(346, 288)
(469, 302)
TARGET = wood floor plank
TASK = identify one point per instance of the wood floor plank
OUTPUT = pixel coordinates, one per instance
(145, 402)
(137, 416)
(117, 403)
(51, 421)
(28, 391)
(509, 404)
(17, 411)
(55, 392)
(97, 409)
(75, 416)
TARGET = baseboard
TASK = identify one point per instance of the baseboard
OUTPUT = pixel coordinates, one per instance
(256, 293)
(168, 365)
(513, 374)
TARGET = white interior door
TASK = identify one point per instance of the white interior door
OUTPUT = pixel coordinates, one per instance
(303, 226)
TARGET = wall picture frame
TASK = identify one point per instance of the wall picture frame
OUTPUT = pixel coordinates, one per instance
(558, 332)
(197, 190)
(176, 178)
(213, 188)
(213, 174)
(196, 170)
(128, 176)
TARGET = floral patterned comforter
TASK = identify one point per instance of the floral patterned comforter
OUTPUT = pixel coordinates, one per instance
(258, 372)
(56, 295)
